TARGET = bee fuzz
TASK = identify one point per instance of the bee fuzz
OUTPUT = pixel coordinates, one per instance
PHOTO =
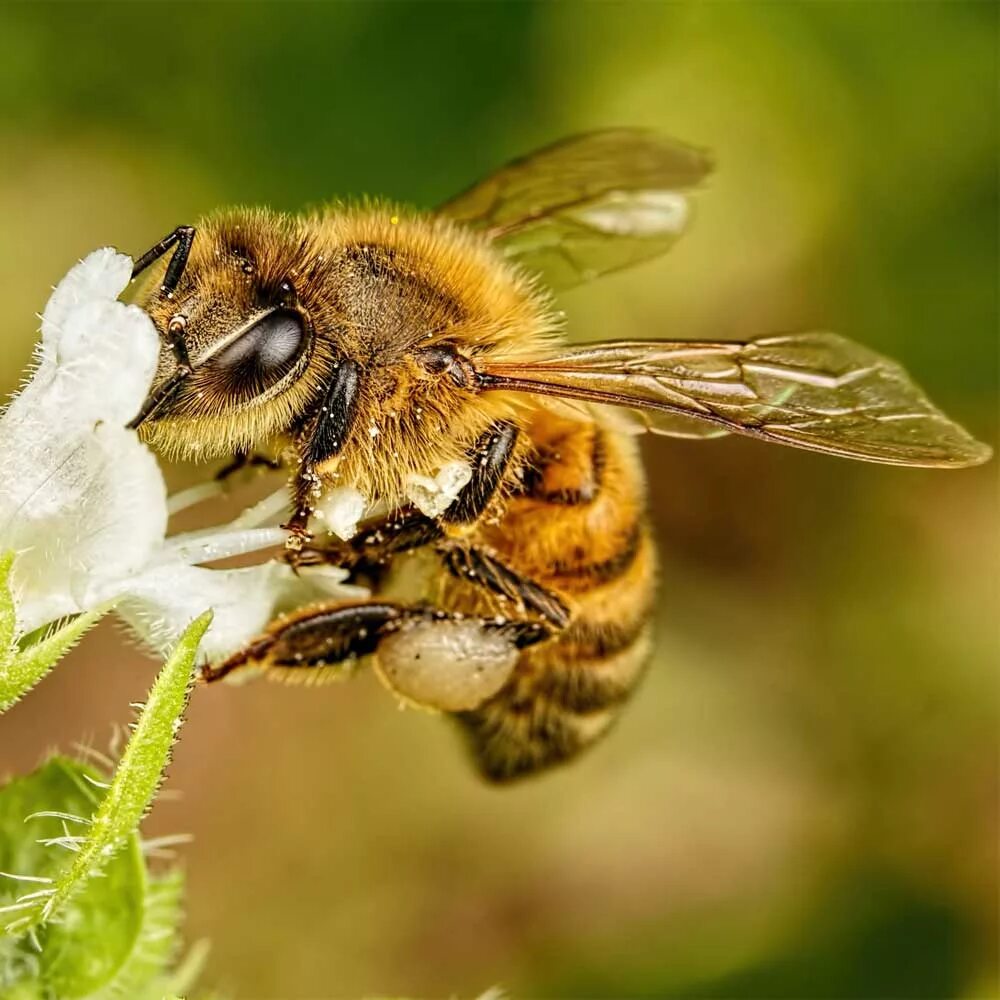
(433, 496)
(341, 508)
(451, 666)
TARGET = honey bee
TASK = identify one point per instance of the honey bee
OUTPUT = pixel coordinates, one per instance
(377, 343)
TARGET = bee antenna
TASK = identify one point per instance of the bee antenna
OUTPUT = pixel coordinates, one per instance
(175, 334)
(182, 237)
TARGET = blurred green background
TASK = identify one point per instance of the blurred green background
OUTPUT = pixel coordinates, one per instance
(802, 800)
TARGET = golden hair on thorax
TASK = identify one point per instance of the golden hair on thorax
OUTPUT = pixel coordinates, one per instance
(372, 284)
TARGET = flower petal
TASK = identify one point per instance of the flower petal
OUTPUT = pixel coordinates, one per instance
(82, 500)
(100, 277)
(161, 602)
(92, 510)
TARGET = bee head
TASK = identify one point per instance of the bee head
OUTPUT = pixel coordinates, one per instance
(354, 334)
(239, 355)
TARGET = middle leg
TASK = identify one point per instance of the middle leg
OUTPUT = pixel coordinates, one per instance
(489, 460)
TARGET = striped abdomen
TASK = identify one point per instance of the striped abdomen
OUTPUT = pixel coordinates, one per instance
(578, 529)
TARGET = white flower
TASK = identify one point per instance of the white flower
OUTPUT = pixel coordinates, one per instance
(83, 502)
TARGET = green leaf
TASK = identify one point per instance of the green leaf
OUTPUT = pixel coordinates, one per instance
(97, 934)
(24, 991)
(142, 976)
(99, 928)
(86, 923)
(8, 612)
(138, 774)
(20, 672)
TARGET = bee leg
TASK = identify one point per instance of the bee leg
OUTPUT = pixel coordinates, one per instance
(375, 545)
(369, 552)
(408, 529)
(264, 460)
(321, 440)
(182, 237)
(305, 486)
(338, 633)
(490, 459)
(485, 570)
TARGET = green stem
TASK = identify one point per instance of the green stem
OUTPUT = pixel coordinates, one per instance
(137, 776)
(21, 671)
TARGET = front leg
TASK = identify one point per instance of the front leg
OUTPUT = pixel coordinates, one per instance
(305, 645)
(489, 460)
(405, 529)
(373, 547)
(320, 440)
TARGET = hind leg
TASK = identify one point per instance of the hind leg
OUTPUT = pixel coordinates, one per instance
(313, 642)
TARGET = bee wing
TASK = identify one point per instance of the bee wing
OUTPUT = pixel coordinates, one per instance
(588, 205)
(816, 391)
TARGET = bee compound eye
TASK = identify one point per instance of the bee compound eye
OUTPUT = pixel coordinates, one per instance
(268, 346)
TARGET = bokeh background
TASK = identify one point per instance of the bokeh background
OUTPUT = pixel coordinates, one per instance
(802, 800)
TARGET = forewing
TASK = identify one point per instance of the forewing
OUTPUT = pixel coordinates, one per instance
(817, 391)
(587, 205)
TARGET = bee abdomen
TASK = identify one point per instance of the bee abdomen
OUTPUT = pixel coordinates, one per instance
(583, 569)
(578, 530)
(568, 471)
(558, 704)
(589, 669)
